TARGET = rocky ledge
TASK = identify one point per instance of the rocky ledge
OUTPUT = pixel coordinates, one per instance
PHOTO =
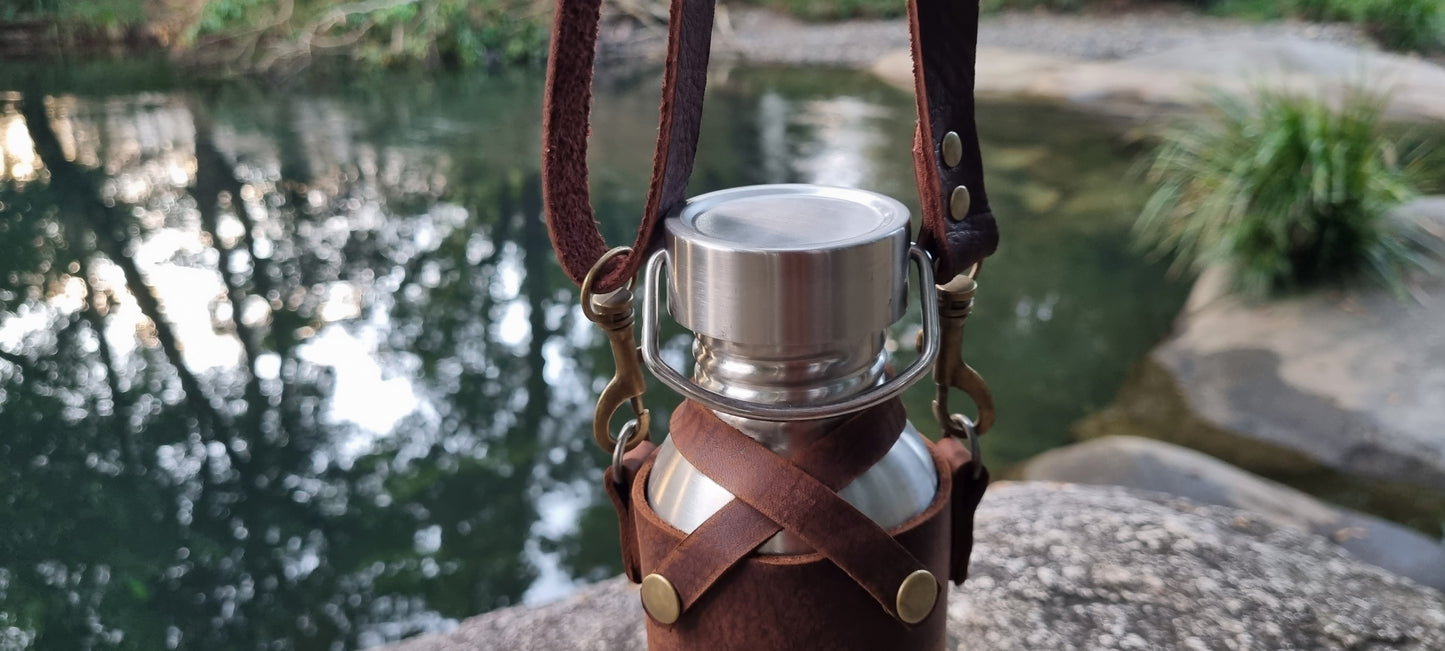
(1063, 566)
(1147, 464)
(1191, 72)
(1138, 65)
(1350, 379)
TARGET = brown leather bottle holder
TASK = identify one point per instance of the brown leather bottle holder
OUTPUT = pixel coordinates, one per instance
(847, 595)
(862, 587)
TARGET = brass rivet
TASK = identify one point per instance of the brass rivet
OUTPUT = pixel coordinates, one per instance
(958, 204)
(916, 596)
(660, 599)
(952, 149)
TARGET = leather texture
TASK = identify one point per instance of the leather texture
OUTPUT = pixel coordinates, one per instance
(619, 490)
(835, 459)
(567, 107)
(805, 600)
(970, 480)
(944, 36)
(796, 501)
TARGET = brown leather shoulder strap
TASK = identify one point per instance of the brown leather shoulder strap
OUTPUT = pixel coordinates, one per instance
(565, 118)
(944, 38)
(945, 41)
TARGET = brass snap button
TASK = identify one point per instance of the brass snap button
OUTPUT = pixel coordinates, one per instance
(958, 203)
(952, 149)
(916, 597)
(660, 599)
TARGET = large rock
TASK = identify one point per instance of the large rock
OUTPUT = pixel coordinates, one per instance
(1148, 464)
(1352, 379)
(1061, 566)
(1189, 74)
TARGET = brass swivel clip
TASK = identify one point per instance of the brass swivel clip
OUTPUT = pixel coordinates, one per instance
(613, 313)
(955, 303)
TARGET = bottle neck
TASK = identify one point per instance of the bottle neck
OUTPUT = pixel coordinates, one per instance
(788, 375)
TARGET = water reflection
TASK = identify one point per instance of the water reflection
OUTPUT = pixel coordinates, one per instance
(260, 382)
(299, 370)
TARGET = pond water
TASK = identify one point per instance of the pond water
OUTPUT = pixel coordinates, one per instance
(297, 369)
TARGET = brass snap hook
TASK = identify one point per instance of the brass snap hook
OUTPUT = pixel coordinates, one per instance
(955, 303)
(613, 313)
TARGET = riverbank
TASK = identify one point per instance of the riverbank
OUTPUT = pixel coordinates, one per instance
(1139, 65)
(759, 36)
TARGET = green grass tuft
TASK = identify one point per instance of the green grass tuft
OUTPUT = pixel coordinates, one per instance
(1410, 25)
(1288, 192)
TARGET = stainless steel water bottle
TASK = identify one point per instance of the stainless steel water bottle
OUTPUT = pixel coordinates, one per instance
(792, 504)
(789, 291)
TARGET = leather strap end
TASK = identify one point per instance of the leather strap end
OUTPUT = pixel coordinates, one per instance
(970, 481)
(619, 490)
(944, 42)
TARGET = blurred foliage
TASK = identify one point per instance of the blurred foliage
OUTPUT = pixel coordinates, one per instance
(280, 36)
(1398, 24)
(845, 9)
(264, 35)
(88, 13)
(1405, 25)
(1287, 191)
(1080, 5)
(836, 9)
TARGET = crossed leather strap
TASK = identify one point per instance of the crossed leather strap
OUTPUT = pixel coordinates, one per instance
(798, 495)
(944, 39)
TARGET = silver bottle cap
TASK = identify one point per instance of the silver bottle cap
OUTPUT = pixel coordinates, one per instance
(788, 265)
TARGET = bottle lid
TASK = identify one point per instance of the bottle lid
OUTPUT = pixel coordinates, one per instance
(788, 265)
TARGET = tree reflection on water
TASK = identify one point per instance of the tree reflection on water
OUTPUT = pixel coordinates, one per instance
(266, 401)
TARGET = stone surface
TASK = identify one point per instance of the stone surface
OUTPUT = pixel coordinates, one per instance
(1148, 464)
(1188, 74)
(1136, 64)
(760, 36)
(1062, 566)
(1352, 379)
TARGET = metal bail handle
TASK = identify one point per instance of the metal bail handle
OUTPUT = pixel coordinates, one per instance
(652, 356)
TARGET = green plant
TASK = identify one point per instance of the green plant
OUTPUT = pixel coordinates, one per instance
(261, 36)
(88, 13)
(1397, 24)
(1249, 9)
(1287, 191)
(836, 9)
